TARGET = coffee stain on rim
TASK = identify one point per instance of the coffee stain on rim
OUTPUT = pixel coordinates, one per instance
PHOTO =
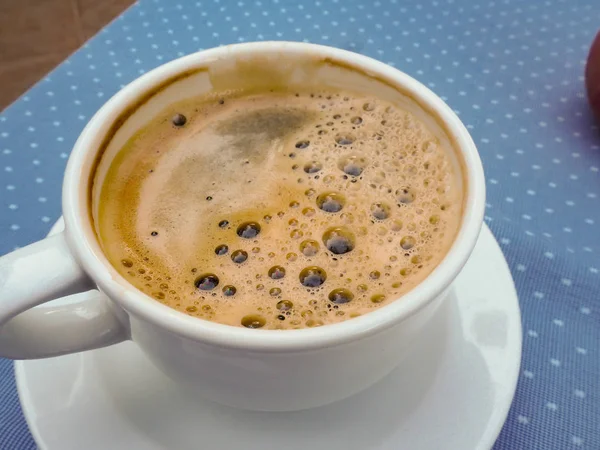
(147, 96)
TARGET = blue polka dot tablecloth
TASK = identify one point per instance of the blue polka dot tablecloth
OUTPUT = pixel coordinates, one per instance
(512, 70)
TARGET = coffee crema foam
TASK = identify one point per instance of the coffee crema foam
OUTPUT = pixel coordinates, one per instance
(280, 210)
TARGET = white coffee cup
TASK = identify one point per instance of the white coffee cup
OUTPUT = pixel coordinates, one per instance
(271, 370)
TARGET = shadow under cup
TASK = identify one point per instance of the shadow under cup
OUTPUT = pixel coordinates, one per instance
(254, 369)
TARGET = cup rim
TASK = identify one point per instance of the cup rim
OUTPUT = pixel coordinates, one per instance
(87, 250)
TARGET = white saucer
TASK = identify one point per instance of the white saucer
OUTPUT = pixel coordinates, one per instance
(453, 392)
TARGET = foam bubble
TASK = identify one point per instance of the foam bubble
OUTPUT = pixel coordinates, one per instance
(284, 305)
(378, 298)
(405, 195)
(309, 247)
(313, 167)
(380, 211)
(229, 290)
(312, 277)
(344, 139)
(340, 296)
(308, 212)
(331, 202)
(207, 282)
(339, 240)
(353, 165)
(276, 272)
(408, 242)
(369, 106)
(248, 230)
(239, 256)
(179, 120)
(221, 249)
(253, 321)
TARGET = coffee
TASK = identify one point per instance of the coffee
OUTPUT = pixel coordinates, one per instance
(280, 209)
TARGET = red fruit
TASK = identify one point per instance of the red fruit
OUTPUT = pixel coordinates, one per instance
(592, 76)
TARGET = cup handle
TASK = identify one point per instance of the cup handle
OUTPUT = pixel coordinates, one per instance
(44, 271)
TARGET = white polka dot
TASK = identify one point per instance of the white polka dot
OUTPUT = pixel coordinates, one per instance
(549, 255)
(581, 350)
(528, 374)
(521, 268)
(558, 322)
(523, 419)
(538, 294)
(577, 440)
(566, 282)
(555, 362)
(532, 333)
(579, 393)
(551, 406)
(15, 227)
(584, 310)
